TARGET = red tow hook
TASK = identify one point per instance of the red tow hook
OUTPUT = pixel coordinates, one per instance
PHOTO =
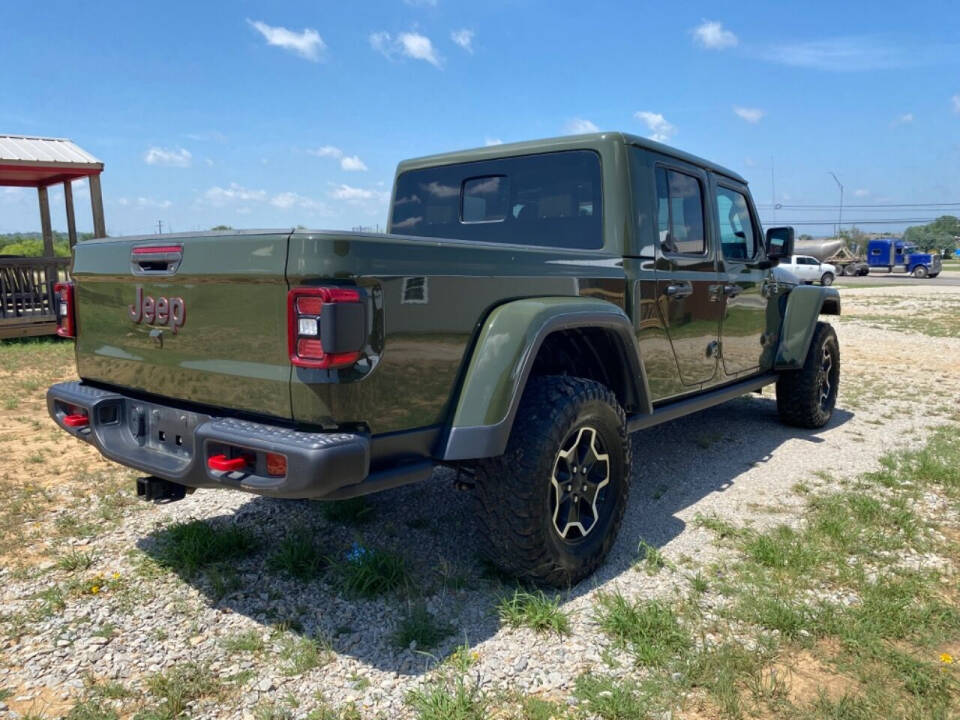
(76, 420)
(222, 463)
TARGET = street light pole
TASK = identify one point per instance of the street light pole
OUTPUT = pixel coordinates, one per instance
(840, 216)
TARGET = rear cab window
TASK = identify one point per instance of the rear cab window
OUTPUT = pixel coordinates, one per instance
(547, 200)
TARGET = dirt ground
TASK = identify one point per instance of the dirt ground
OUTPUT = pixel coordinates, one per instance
(62, 505)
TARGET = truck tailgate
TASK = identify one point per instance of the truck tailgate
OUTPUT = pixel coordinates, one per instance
(207, 323)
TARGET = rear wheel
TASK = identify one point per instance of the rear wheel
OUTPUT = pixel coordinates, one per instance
(826, 279)
(806, 397)
(552, 504)
(850, 270)
(920, 271)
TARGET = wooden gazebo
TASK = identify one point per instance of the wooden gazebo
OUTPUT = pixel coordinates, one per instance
(27, 304)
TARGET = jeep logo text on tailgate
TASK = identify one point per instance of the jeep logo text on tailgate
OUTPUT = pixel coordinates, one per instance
(162, 311)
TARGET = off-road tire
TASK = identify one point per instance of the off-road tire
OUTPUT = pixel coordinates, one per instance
(800, 392)
(826, 279)
(514, 491)
(920, 272)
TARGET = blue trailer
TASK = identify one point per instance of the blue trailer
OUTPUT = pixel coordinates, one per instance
(893, 254)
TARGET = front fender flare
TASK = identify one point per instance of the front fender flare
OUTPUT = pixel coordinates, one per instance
(804, 304)
(503, 357)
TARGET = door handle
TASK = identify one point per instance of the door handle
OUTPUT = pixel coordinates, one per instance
(731, 291)
(678, 291)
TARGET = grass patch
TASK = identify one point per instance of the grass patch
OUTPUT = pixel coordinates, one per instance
(650, 559)
(535, 611)
(75, 560)
(302, 654)
(249, 641)
(189, 547)
(613, 698)
(354, 511)
(93, 709)
(421, 629)
(298, 556)
(650, 630)
(179, 686)
(368, 572)
(449, 699)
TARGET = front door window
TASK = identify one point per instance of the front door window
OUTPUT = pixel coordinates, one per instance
(745, 307)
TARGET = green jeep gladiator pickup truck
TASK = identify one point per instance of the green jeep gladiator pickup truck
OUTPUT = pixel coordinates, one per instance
(529, 307)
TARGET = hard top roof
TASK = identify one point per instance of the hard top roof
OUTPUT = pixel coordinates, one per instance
(567, 142)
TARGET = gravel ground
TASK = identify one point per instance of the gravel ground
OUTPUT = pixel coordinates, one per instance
(735, 461)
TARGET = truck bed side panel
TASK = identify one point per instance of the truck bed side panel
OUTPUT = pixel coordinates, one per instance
(429, 299)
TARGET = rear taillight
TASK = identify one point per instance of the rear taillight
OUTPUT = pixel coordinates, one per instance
(325, 326)
(276, 464)
(66, 310)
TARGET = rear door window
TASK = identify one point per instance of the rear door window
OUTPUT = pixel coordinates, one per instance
(550, 200)
(680, 213)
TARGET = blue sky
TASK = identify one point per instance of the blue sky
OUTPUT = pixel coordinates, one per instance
(271, 114)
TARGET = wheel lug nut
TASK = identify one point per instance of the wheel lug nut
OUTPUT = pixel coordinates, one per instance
(569, 488)
(583, 470)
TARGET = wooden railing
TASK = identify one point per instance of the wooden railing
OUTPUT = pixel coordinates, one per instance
(27, 304)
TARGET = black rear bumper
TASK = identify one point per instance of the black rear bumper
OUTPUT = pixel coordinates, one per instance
(176, 444)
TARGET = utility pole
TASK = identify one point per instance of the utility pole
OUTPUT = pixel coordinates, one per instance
(773, 189)
(840, 216)
(159, 227)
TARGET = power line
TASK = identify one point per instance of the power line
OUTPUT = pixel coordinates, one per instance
(886, 221)
(783, 206)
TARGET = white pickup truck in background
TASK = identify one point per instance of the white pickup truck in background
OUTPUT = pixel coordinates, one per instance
(809, 270)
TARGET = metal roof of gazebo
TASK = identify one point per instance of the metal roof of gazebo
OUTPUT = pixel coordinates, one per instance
(40, 162)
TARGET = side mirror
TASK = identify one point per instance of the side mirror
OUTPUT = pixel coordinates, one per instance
(780, 243)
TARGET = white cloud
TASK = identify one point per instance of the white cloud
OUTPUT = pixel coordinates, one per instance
(904, 119)
(212, 136)
(861, 193)
(242, 197)
(12, 195)
(579, 126)
(307, 44)
(326, 151)
(287, 200)
(419, 47)
(660, 129)
(352, 163)
(148, 202)
(711, 34)
(489, 142)
(409, 44)
(218, 196)
(347, 162)
(857, 53)
(168, 157)
(751, 115)
(356, 194)
(463, 38)
(955, 100)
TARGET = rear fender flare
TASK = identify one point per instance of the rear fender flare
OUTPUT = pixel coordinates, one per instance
(804, 304)
(504, 355)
